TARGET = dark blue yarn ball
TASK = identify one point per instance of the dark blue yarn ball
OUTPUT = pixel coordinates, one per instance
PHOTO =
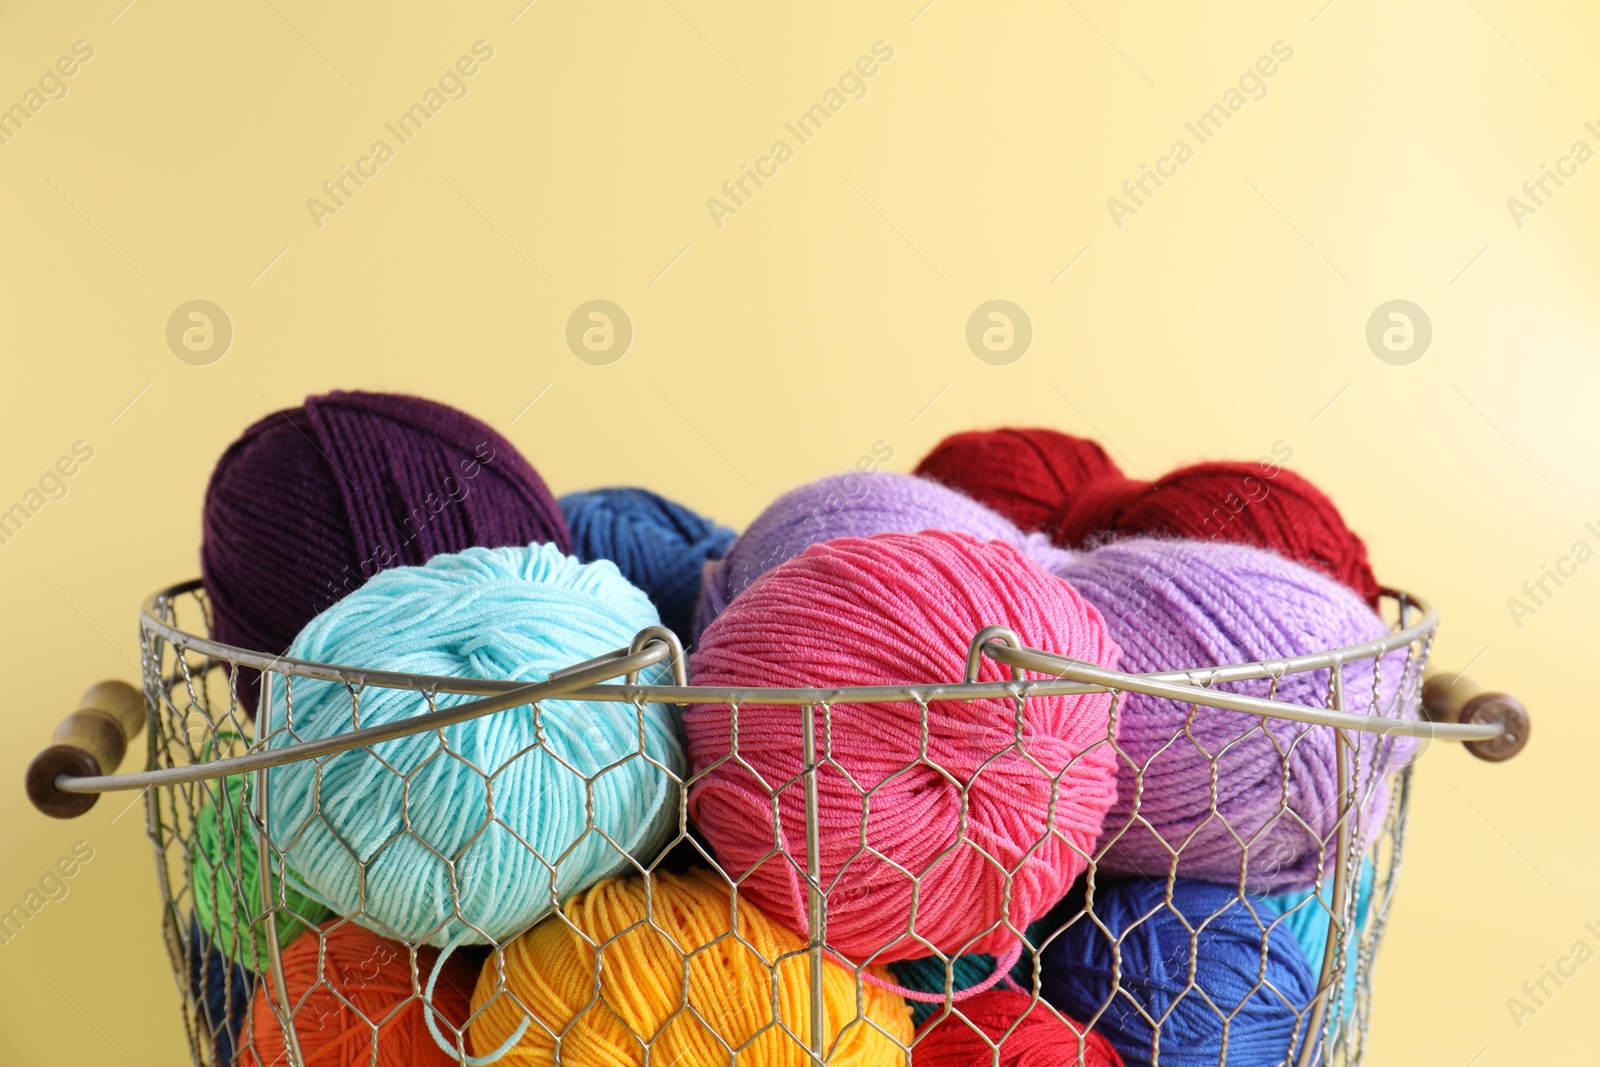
(1262, 1005)
(658, 545)
(222, 990)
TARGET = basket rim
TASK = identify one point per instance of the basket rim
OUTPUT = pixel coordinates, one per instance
(1040, 661)
(656, 646)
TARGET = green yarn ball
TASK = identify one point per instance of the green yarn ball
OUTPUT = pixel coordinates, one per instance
(226, 860)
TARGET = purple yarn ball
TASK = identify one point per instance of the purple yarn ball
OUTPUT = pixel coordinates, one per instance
(311, 502)
(1174, 605)
(855, 504)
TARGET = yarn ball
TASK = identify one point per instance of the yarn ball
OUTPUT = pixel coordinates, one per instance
(1306, 915)
(1190, 791)
(658, 545)
(227, 881)
(1028, 1034)
(1070, 488)
(927, 975)
(360, 1000)
(221, 992)
(585, 783)
(677, 969)
(853, 505)
(1027, 475)
(897, 609)
(311, 502)
(1204, 964)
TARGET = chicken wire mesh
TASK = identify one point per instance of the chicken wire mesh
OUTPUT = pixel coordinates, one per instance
(227, 919)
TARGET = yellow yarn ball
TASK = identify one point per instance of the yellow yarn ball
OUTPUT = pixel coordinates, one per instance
(736, 986)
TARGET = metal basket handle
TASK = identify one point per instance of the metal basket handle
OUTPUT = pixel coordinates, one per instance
(65, 779)
(1458, 699)
(89, 742)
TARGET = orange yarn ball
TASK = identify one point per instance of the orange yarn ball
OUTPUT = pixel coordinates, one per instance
(329, 969)
(747, 987)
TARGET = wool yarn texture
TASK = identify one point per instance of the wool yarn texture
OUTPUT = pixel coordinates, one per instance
(360, 1000)
(579, 787)
(221, 992)
(1191, 788)
(1027, 475)
(959, 813)
(1069, 487)
(1203, 962)
(227, 881)
(855, 504)
(311, 502)
(658, 545)
(1026, 1033)
(685, 967)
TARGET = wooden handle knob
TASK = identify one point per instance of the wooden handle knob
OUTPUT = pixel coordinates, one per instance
(1447, 698)
(89, 742)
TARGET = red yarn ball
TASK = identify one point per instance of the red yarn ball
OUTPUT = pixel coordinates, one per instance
(1070, 488)
(1025, 475)
(993, 836)
(342, 962)
(1040, 1039)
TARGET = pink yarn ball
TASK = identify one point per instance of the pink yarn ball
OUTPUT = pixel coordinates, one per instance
(899, 609)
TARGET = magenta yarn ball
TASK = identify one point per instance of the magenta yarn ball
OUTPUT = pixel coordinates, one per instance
(902, 609)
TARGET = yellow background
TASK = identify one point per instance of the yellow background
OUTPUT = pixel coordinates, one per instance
(1229, 313)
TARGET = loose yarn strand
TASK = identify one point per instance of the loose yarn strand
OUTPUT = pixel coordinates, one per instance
(449, 1048)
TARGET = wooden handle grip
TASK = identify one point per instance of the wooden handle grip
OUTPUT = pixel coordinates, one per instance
(1447, 698)
(91, 741)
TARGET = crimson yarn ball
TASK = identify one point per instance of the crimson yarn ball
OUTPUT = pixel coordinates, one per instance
(351, 991)
(310, 502)
(1027, 475)
(1067, 486)
(897, 609)
(1029, 1033)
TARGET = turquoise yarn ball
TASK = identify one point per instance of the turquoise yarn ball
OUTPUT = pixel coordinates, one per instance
(406, 842)
(1308, 919)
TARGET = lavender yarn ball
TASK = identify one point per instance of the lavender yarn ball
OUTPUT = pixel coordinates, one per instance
(1174, 605)
(855, 504)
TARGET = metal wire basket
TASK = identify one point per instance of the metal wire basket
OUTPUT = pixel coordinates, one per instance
(200, 739)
